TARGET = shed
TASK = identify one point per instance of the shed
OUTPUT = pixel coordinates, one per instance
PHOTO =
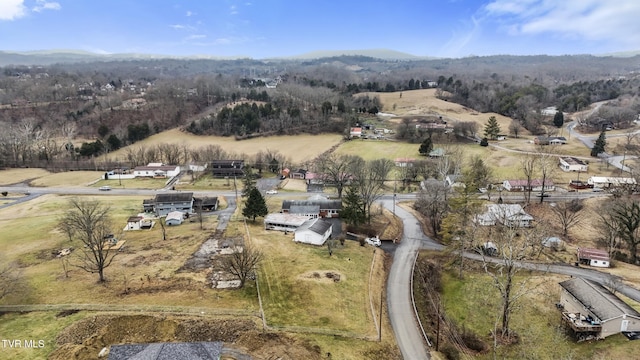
(174, 218)
(133, 223)
(570, 163)
(314, 232)
(593, 257)
(590, 309)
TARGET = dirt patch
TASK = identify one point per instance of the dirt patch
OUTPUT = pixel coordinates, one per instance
(147, 260)
(85, 338)
(323, 276)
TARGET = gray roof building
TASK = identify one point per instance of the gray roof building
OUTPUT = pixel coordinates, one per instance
(167, 351)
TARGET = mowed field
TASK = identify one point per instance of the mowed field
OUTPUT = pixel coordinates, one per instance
(299, 148)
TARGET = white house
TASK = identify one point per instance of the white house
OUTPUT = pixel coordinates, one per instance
(284, 222)
(156, 170)
(404, 162)
(606, 182)
(533, 185)
(573, 164)
(314, 232)
(590, 309)
(512, 215)
(174, 218)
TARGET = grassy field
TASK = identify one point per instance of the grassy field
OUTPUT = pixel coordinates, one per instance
(70, 178)
(13, 176)
(137, 183)
(299, 148)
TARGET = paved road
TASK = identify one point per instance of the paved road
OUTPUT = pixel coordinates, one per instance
(400, 307)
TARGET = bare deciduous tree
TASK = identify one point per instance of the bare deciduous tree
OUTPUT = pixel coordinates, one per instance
(433, 203)
(89, 222)
(242, 261)
(569, 213)
(528, 166)
(10, 279)
(513, 245)
(337, 169)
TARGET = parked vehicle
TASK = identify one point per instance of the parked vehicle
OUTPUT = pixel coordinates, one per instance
(272, 192)
(597, 189)
(374, 241)
(105, 188)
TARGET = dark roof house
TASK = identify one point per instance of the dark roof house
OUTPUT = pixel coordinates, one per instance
(167, 351)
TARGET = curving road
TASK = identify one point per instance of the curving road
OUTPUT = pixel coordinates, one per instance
(400, 306)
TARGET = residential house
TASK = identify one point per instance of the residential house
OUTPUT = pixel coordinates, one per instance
(573, 164)
(168, 350)
(501, 137)
(593, 257)
(355, 132)
(314, 232)
(610, 182)
(511, 215)
(284, 222)
(591, 310)
(315, 206)
(168, 202)
(550, 140)
(198, 167)
(533, 185)
(404, 162)
(453, 180)
(298, 174)
(174, 218)
(156, 170)
(227, 168)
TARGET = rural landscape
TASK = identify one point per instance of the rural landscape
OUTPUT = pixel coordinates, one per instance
(342, 207)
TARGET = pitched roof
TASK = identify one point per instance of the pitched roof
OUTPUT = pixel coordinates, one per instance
(288, 219)
(175, 215)
(500, 212)
(595, 297)
(322, 203)
(317, 226)
(160, 351)
(304, 209)
(533, 183)
(174, 197)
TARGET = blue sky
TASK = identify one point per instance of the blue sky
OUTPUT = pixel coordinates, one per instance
(275, 28)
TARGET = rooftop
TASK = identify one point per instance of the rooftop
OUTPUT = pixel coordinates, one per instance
(600, 301)
(174, 197)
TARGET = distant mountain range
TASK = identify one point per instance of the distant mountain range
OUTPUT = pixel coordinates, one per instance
(48, 57)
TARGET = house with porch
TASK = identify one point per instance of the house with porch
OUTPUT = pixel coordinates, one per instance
(284, 222)
(590, 310)
(227, 168)
(511, 215)
(163, 204)
(156, 170)
(313, 207)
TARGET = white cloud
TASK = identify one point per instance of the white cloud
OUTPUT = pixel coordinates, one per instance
(233, 10)
(189, 13)
(42, 5)
(196, 36)
(594, 20)
(182, 27)
(12, 9)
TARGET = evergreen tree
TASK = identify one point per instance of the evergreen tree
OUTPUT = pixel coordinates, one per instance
(599, 145)
(249, 180)
(492, 129)
(255, 205)
(558, 119)
(426, 146)
(353, 207)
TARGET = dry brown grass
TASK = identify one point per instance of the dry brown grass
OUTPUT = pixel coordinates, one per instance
(299, 148)
(71, 178)
(13, 176)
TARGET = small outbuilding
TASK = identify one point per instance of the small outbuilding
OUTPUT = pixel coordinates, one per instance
(283, 222)
(593, 257)
(314, 232)
(174, 218)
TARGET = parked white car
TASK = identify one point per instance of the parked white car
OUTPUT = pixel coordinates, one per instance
(374, 241)
(272, 192)
(105, 188)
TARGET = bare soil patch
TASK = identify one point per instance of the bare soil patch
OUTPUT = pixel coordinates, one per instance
(323, 276)
(85, 338)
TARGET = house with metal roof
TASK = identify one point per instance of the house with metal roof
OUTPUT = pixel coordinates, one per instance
(593, 257)
(177, 350)
(177, 201)
(589, 310)
(511, 215)
(283, 222)
(314, 232)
